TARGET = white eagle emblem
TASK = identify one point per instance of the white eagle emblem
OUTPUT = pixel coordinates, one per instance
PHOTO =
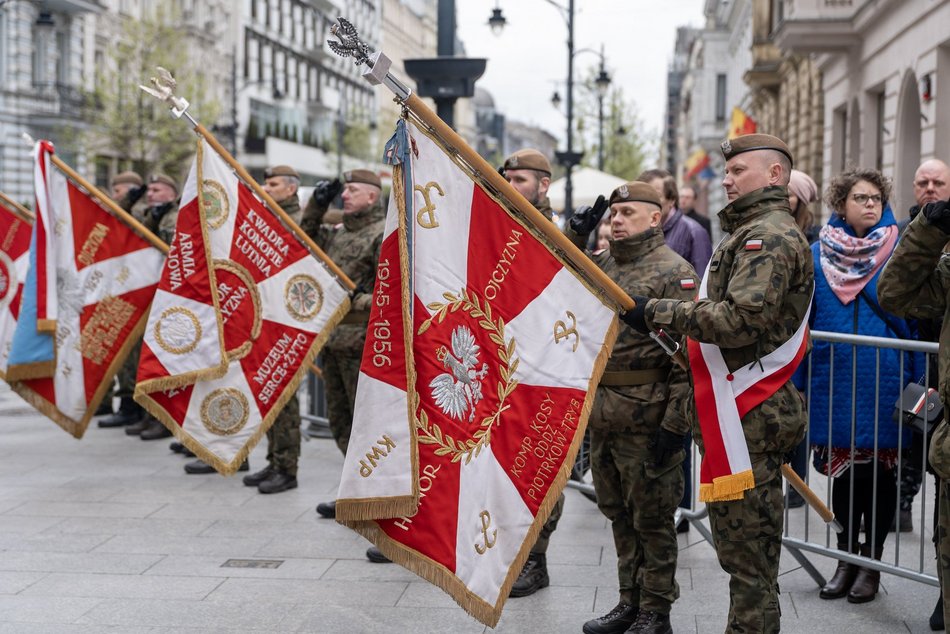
(460, 389)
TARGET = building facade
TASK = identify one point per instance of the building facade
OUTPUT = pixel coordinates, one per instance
(882, 65)
(43, 72)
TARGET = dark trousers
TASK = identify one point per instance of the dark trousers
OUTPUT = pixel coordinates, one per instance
(850, 512)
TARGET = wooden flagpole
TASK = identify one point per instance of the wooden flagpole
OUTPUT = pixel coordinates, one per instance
(123, 215)
(19, 210)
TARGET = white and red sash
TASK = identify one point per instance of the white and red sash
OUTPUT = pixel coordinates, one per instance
(723, 398)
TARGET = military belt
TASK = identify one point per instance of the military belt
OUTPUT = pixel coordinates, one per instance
(356, 317)
(633, 377)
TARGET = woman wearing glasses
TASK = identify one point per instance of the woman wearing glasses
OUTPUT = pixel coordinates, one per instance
(850, 415)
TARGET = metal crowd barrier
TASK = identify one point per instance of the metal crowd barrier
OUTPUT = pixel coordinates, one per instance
(910, 556)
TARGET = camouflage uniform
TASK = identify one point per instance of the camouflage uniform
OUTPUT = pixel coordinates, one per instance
(161, 220)
(757, 296)
(283, 437)
(355, 248)
(638, 497)
(915, 284)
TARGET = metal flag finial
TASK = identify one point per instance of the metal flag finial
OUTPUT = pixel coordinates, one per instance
(350, 44)
(164, 90)
(378, 65)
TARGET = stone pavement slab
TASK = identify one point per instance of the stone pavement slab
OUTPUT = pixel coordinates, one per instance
(109, 535)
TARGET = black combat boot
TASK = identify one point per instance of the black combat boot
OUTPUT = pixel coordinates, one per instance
(649, 622)
(327, 509)
(936, 619)
(154, 431)
(376, 556)
(258, 476)
(129, 412)
(533, 577)
(137, 428)
(278, 482)
(614, 622)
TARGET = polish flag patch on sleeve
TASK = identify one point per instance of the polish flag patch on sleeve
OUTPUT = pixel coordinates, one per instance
(687, 283)
(753, 245)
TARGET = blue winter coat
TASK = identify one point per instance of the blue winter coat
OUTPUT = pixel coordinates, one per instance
(884, 380)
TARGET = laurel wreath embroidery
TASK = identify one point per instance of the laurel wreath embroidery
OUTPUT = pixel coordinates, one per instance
(430, 433)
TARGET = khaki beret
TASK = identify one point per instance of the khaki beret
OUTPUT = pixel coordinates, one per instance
(528, 159)
(636, 192)
(164, 178)
(127, 177)
(751, 142)
(362, 176)
(281, 170)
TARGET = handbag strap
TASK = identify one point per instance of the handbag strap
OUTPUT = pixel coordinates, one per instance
(880, 313)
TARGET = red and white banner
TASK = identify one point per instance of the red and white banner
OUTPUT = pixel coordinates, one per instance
(507, 345)
(222, 358)
(15, 232)
(105, 277)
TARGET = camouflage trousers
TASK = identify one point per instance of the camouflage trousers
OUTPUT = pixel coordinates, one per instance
(340, 374)
(639, 500)
(283, 439)
(747, 535)
(541, 545)
(942, 536)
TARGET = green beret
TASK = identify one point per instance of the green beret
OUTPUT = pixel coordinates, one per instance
(164, 178)
(636, 192)
(127, 177)
(281, 170)
(528, 159)
(751, 142)
(362, 176)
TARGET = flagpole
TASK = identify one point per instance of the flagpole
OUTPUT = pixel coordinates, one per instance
(162, 89)
(274, 207)
(18, 210)
(123, 215)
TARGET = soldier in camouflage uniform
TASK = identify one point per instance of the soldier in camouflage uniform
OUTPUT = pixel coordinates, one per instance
(127, 189)
(529, 172)
(638, 425)
(160, 218)
(354, 247)
(759, 286)
(915, 283)
(283, 438)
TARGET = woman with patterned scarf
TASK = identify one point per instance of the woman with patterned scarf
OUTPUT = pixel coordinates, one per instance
(846, 425)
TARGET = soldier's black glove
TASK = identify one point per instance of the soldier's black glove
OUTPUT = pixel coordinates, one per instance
(664, 446)
(585, 218)
(501, 171)
(938, 213)
(325, 191)
(636, 318)
(158, 211)
(135, 193)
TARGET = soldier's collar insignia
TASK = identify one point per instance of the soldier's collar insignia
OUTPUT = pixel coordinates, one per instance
(623, 191)
(726, 147)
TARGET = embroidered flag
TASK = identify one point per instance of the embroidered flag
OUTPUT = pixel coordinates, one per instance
(15, 230)
(753, 245)
(687, 283)
(242, 310)
(506, 345)
(104, 275)
(723, 398)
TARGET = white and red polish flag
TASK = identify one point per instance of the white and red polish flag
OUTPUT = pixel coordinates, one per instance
(243, 309)
(100, 275)
(15, 230)
(506, 345)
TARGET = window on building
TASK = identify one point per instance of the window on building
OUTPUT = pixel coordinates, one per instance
(720, 97)
(879, 129)
(103, 163)
(3, 46)
(839, 139)
(62, 58)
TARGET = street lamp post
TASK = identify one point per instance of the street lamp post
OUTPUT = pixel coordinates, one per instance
(568, 158)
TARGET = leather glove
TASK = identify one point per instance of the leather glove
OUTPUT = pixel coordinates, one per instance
(325, 191)
(585, 219)
(664, 446)
(135, 193)
(938, 213)
(636, 318)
